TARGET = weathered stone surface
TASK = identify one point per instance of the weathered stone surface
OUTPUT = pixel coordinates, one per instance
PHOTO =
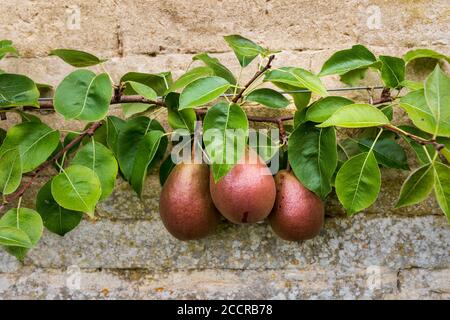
(419, 283)
(317, 283)
(37, 27)
(154, 27)
(198, 25)
(359, 242)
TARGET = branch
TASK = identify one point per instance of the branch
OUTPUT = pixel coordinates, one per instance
(117, 99)
(437, 146)
(275, 120)
(384, 97)
(256, 76)
(283, 135)
(88, 132)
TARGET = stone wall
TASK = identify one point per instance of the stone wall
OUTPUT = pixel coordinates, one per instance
(126, 253)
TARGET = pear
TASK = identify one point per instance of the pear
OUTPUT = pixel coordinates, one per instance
(185, 205)
(298, 213)
(247, 193)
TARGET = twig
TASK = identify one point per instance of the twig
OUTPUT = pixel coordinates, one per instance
(283, 135)
(438, 146)
(117, 99)
(276, 120)
(256, 76)
(88, 132)
(385, 97)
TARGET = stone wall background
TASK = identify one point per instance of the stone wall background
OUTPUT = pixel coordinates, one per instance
(381, 253)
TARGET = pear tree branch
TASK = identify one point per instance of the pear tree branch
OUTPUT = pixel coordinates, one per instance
(16, 195)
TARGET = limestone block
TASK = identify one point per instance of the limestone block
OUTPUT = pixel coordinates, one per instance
(359, 242)
(36, 27)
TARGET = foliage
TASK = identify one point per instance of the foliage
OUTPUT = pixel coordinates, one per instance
(89, 162)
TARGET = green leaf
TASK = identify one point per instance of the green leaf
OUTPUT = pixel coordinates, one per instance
(419, 112)
(158, 82)
(349, 147)
(202, 91)
(299, 117)
(76, 58)
(353, 77)
(416, 187)
(35, 141)
(219, 69)
(11, 236)
(45, 90)
(101, 160)
(387, 152)
(437, 95)
(56, 219)
(17, 90)
(417, 147)
(268, 97)
(131, 109)
(10, 171)
(424, 53)
(392, 71)
(113, 126)
(342, 157)
(179, 119)
(77, 188)
(129, 139)
(145, 155)
(6, 48)
(358, 182)
(244, 49)
(82, 95)
(412, 85)
(143, 90)
(313, 157)
(166, 169)
(28, 117)
(189, 77)
(26, 220)
(224, 145)
(297, 77)
(356, 116)
(301, 99)
(322, 109)
(388, 111)
(67, 139)
(446, 150)
(347, 60)
(428, 108)
(442, 187)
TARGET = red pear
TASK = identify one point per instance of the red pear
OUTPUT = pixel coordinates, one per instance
(247, 193)
(185, 205)
(298, 213)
